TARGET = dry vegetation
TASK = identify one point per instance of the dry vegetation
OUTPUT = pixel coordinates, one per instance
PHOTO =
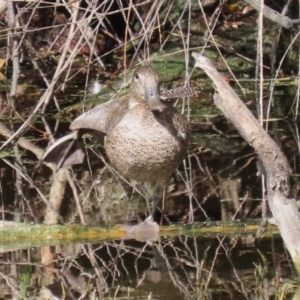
(50, 50)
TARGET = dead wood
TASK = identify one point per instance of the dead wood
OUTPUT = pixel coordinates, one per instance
(272, 14)
(282, 205)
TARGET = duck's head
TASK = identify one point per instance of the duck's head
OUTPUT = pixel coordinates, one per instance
(145, 84)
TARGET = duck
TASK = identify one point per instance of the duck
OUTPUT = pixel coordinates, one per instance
(145, 139)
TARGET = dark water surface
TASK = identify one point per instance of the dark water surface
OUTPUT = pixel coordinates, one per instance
(200, 267)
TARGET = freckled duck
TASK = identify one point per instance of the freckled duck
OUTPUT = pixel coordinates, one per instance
(145, 139)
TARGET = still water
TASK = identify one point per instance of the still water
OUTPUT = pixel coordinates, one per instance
(206, 266)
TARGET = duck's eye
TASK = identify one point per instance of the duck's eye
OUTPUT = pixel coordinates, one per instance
(136, 76)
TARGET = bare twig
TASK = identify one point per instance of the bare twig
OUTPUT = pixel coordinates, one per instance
(74, 190)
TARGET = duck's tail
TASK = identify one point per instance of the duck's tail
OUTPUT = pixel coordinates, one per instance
(66, 151)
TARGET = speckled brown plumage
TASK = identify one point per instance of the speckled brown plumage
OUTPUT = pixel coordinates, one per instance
(145, 139)
(146, 145)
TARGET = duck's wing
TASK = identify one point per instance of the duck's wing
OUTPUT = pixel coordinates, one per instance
(179, 92)
(66, 151)
(69, 150)
(103, 117)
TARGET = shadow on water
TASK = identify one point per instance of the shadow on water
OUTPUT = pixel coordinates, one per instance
(181, 267)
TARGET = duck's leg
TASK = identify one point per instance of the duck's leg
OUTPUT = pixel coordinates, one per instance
(158, 194)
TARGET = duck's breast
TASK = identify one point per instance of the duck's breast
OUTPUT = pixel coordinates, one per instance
(147, 146)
